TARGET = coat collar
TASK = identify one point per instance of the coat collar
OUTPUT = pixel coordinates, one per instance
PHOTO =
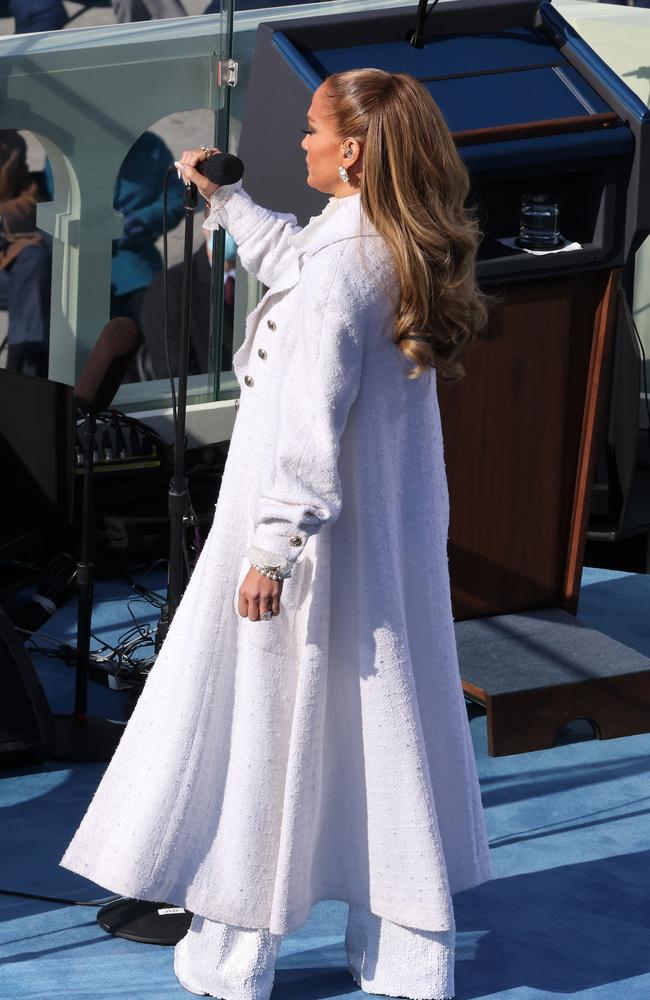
(341, 219)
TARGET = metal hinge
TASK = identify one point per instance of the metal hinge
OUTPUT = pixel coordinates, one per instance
(227, 73)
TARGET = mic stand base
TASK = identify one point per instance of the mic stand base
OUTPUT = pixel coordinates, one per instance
(141, 920)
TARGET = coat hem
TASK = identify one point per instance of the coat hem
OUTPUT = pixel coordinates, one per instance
(175, 895)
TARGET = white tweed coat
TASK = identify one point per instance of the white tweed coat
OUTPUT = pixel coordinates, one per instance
(324, 754)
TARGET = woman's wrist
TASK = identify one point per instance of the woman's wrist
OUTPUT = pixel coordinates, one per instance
(271, 573)
(268, 563)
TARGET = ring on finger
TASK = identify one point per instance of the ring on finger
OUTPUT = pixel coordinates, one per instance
(266, 615)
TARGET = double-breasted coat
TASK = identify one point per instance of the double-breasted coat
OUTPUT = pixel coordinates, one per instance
(324, 754)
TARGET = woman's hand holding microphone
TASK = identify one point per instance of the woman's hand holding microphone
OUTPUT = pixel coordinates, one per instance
(186, 166)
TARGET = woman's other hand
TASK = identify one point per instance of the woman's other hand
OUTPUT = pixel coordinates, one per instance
(259, 593)
(187, 163)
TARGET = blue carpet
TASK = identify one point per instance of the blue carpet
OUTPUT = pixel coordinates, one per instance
(566, 914)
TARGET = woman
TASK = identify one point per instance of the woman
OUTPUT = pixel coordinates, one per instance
(303, 734)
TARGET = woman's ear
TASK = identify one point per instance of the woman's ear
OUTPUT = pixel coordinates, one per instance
(351, 152)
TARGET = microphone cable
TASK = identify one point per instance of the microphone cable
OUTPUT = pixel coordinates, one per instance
(56, 587)
(193, 519)
(59, 899)
(166, 294)
(429, 10)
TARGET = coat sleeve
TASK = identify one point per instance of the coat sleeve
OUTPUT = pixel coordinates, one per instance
(261, 235)
(320, 382)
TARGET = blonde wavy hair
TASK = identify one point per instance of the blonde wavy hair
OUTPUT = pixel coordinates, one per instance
(414, 186)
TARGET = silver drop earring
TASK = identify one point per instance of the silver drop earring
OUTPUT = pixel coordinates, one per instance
(343, 174)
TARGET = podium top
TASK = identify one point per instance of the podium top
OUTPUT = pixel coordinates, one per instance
(508, 78)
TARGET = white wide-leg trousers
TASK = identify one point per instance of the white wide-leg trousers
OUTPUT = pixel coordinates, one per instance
(237, 963)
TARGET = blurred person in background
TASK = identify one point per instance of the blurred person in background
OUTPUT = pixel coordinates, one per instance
(35, 15)
(146, 10)
(139, 197)
(152, 315)
(214, 7)
(25, 260)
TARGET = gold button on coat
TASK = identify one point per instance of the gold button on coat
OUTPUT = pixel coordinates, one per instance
(262, 353)
(248, 379)
(295, 540)
(270, 324)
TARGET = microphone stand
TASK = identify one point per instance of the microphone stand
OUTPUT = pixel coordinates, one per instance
(80, 737)
(414, 37)
(178, 497)
(143, 920)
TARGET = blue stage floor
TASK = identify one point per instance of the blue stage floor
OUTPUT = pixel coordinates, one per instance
(567, 914)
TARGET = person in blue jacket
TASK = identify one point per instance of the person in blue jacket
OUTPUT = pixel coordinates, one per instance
(35, 15)
(139, 197)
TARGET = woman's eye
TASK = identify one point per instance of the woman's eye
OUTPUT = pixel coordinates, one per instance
(306, 131)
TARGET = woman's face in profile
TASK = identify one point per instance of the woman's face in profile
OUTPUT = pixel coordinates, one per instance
(323, 147)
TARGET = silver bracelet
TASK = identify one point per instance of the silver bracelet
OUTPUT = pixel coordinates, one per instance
(272, 572)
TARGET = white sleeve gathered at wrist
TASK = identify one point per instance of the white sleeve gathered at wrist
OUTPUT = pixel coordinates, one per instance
(262, 236)
(301, 492)
(217, 201)
(265, 558)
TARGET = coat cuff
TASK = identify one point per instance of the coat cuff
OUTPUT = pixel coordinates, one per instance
(285, 542)
(265, 558)
(218, 203)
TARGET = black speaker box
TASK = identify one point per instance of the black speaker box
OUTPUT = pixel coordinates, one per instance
(27, 732)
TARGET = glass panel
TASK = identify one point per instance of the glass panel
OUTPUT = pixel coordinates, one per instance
(100, 150)
(137, 264)
(77, 89)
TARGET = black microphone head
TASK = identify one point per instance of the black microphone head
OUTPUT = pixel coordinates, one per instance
(107, 365)
(222, 168)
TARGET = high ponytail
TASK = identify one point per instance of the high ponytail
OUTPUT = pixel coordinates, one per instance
(414, 186)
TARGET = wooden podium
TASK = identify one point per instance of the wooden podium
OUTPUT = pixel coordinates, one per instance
(519, 434)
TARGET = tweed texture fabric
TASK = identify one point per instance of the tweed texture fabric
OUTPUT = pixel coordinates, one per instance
(387, 959)
(220, 960)
(384, 958)
(325, 753)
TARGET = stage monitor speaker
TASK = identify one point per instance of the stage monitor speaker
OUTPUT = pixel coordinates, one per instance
(26, 725)
(37, 427)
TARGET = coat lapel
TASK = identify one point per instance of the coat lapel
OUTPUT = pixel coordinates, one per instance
(343, 221)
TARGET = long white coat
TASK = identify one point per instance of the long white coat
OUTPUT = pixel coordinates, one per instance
(324, 754)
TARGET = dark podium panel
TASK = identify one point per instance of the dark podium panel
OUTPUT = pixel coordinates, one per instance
(518, 432)
(532, 109)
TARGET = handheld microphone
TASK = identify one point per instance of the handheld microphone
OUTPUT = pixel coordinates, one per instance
(221, 168)
(107, 365)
